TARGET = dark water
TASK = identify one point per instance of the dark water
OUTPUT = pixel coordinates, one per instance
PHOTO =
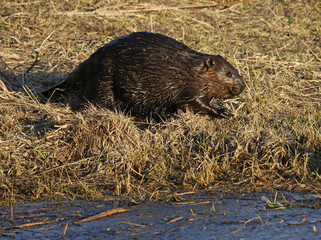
(206, 217)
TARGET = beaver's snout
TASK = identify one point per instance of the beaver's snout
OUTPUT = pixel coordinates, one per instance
(238, 86)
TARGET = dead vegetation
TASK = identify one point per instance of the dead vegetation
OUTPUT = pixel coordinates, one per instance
(274, 140)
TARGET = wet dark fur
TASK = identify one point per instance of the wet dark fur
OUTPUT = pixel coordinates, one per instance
(144, 73)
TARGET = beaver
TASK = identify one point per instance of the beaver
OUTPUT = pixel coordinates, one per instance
(144, 73)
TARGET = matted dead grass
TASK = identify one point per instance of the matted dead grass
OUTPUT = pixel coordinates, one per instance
(274, 141)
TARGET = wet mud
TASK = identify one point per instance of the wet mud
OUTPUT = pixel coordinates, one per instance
(257, 216)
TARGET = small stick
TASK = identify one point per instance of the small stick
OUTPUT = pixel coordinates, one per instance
(6, 78)
(31, 224)
(11, 210)
(175, 220)
(65, 230)
(105, 214)
(153, 9)
(25, 72)
(35, 62)
(219, 30)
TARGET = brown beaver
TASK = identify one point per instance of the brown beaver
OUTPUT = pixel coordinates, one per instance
(144, 73)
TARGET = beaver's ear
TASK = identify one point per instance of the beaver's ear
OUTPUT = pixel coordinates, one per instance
(209, 63)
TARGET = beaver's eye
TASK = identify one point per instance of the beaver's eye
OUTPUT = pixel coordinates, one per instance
(229, 74)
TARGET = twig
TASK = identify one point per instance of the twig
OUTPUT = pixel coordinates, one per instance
(154, 9)
(11, 210)
(43, 42)
(65, 230)
(24, 71)
(6, 64)
(134, 224)
(31, 224)
(312, 51)
(31, 94)
(6, 78)
(188, 6)
(13, 15)
(106, 214)
(219, 30)
(62, 166)
(175, 220)
(278, 61)
(35, 62)
(201, 22)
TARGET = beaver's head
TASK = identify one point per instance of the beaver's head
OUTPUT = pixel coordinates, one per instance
(222, 80)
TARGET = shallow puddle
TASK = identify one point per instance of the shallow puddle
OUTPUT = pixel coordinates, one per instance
(294, 216)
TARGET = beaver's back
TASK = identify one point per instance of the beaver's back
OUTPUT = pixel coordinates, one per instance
(143, 72)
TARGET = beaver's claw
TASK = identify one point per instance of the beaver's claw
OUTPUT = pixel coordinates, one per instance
(220, 109)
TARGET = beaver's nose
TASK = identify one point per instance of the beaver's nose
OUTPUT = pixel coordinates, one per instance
(238, 86)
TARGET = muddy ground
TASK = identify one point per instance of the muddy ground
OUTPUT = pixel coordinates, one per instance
(287, 216)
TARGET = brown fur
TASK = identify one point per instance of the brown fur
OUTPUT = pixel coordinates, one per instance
(144, 73)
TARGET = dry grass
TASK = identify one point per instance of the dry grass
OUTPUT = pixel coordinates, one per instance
(274, 141)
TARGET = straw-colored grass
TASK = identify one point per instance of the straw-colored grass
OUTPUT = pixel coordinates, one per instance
(48, 151)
